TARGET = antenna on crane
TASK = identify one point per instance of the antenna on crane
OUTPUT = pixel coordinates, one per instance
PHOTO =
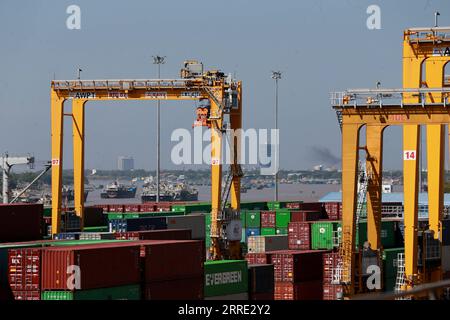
(79, 73)
(436, 14)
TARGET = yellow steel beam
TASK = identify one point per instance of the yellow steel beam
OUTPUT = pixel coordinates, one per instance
(397, 116)
(135, 94)
(236, 124)
(411, 150)
(78, 156)
(350, 148)
(57, 115)
(435, 159)
(216, 179)
(435, 147)
(374, 168)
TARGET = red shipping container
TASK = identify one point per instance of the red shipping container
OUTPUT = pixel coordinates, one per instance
(257, 258)
(308, 290)
(5, 292)
(305, 215)
(293, 205)
(147, 207)
(100, 265)
(105, 207)
(132, 208)
(170, 260)
(268, 219)
(116, 208)
(261, 296)
(333, 210)
(169, 234)
(332, 263)
(181, 289)
(27, 295)
(311, 206)
(331, 291)
(24, 269)
(299, 236)
(164, 206)
(21, 222)
(297, 265)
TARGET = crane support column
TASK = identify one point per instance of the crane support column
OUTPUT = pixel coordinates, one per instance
(57, 115)
(374, 167)
(216, 181)
(78, 155)
(236, 126)
(350, 149)
(411, 150)
(435, 147)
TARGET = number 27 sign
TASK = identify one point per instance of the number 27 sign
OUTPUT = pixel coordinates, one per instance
(409, 155)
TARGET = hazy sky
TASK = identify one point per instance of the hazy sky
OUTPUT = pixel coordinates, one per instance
(320, 46)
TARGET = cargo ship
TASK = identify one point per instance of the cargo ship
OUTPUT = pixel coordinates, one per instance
(116, 190)
(169, 192)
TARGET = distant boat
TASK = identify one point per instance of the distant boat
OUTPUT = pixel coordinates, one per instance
(116, 190)
(169, 192)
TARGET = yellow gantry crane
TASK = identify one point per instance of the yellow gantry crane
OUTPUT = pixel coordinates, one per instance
(423, 100)
(225, 103)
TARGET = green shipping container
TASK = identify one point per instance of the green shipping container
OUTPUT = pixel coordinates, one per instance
(243, 219)
(131, 292)
(96, 229)
(390, 267)
(387, 233)
(324, 235)
(208, 230)
(273, 205)
(190, 208)
(252, 219)
(225, 277)
(268, 231)
(47, 212)
(282, 218)
(281, 230)
(253, 206)
(244, 236)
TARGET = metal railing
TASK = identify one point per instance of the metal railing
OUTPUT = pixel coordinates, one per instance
(124, 84)
(379, 98)
(429, 289)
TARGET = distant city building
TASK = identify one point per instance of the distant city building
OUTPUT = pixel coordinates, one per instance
(125, 163)
(318, 167)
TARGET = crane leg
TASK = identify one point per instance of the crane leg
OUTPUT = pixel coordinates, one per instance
(435, 146)
(411, 150)
(57, 115)
(236, 125)
(374, 167)
(78, 156)
(350, 149)
(435, 159)
(216, 186)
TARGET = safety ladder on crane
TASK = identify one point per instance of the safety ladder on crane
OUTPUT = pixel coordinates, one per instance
(346, 249)
(400, 281)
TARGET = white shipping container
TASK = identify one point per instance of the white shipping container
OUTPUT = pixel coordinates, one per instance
(261, 244)
(194, 222)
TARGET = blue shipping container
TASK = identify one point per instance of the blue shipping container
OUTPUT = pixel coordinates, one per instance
(252, 232)
(137, 224)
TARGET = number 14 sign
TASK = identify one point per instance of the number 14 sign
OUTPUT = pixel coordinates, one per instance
(409, 155)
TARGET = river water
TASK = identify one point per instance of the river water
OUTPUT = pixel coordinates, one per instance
(286, 192)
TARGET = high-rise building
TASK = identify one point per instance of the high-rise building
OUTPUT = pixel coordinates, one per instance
(125, 163)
